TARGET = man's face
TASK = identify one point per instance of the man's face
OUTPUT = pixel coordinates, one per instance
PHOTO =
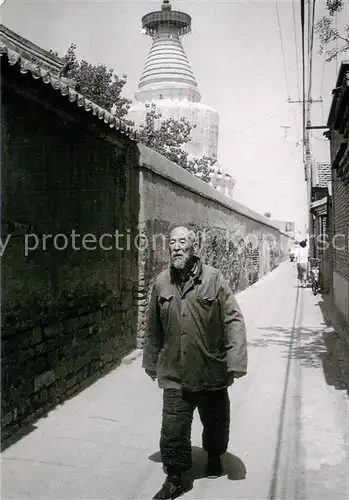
(181, 247)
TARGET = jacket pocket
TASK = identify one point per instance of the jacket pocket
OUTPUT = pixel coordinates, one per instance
(205, 302)
(165, 297)
(164, 302)
(207, 311)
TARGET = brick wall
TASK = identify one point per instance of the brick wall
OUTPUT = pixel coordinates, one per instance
(68, 316)
(341, 227)
(233, 238)
(326, 266)
(340, 248)
(338, 123)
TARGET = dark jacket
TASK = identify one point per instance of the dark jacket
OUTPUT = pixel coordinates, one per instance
(195, 335)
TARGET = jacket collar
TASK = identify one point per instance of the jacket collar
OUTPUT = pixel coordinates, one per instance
(194, 273)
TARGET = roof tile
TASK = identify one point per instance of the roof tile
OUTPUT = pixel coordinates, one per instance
(25, 66)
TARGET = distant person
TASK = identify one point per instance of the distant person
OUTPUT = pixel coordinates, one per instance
(293, 251)
(195, 347)
(301, 257)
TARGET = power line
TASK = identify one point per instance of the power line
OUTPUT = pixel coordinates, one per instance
(311, 22)
(322, 76)
(295, 44)
(303, 76)
(336, 21)
(321, 87)
(282, 49)
(263, 119)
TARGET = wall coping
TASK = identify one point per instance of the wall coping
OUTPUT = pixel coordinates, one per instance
(155, 162)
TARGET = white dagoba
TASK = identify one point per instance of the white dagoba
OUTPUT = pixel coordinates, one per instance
(168, 82)
(221, 181)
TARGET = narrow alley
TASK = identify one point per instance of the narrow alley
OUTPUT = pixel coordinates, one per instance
(289, 427)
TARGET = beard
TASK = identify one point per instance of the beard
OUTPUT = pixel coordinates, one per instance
(180, 262)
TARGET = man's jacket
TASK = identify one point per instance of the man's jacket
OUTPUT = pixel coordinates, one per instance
(195, 335)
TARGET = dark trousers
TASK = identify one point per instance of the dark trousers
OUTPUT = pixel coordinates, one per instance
(302, 271)
(177, 417)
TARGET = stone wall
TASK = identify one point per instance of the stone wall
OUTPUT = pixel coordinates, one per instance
(68, 315)
(241, 243)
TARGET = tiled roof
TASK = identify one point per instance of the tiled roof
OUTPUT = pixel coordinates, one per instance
(39, 72)
(323, 174)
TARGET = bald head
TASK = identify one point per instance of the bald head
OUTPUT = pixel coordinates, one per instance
(181, 246)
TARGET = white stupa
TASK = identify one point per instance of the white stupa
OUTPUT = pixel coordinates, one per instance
(168, 82)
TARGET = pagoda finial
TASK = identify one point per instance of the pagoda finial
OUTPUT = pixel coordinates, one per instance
(166, 5)
(179, 21)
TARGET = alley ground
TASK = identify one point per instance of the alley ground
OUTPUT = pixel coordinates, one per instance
(289, 428)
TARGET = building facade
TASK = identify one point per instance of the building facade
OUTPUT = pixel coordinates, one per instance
(338, 124)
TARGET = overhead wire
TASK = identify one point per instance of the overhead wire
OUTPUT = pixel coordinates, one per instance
(322, 75)
(295, 117)
(263, 119)
(321, 87)
(303, 75)
(311, 23)
(296, 47)
(282, 50)
(336, 21)
(310, 54)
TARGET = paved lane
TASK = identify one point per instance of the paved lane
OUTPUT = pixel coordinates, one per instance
(289, 428)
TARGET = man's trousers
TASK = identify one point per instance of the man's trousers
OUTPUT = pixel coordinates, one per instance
(177, 417)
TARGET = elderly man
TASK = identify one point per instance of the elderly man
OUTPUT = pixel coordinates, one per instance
(195, 346)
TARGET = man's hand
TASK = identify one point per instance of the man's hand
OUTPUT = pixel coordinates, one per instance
(230, 378)
(151, 374)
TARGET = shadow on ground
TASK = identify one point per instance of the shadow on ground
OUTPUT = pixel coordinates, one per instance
(23, 432)
(313, 347)
(233, 466)
(340, 346)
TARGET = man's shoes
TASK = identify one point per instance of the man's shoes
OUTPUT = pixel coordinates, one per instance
(214, 466)
(172, 488)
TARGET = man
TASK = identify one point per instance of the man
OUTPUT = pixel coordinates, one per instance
(195, 346)
(302, 263)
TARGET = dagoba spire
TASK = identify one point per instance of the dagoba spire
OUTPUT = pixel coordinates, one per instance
(168, 82)
(167, 72)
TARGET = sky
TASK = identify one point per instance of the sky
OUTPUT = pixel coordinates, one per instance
(246, 68)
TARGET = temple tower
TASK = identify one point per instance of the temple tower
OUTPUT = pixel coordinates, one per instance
(168, 81)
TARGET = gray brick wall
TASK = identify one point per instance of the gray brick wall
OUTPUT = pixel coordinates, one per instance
(341, 227)
(67, 316)
(234, 239)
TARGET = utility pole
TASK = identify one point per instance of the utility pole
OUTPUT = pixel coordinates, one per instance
(307, 156)
(300, 101)
(285, 127)
(307, 126)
